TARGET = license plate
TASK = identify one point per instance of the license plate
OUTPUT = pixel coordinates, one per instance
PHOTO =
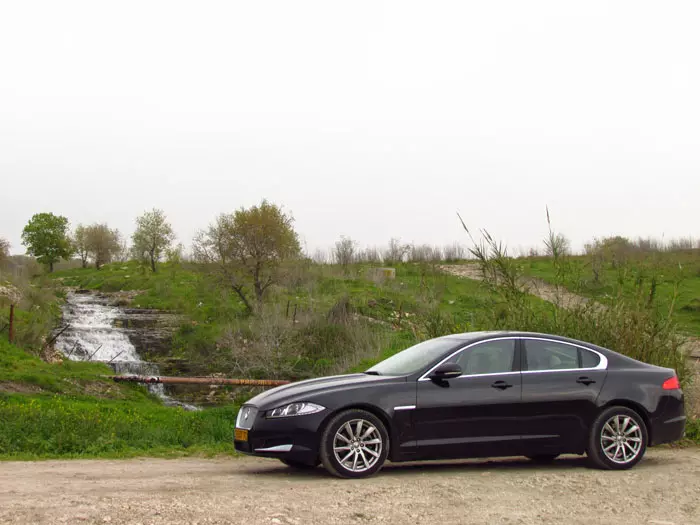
(240, 434)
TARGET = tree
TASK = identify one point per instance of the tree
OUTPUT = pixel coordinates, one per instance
(102, 243)
(152, 237)
(4, 248)
(344, 252)
(80, 244)
(249, 245)
(46, 238)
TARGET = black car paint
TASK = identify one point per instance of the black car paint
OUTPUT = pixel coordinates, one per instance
(475, 416)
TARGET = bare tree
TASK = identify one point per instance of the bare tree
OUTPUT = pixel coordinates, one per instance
(395, 252)
(152, 237)
(344, 252)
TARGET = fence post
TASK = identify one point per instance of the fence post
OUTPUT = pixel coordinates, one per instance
(12, 322)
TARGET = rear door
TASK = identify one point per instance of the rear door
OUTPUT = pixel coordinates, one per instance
(475, 414)
(560, 386)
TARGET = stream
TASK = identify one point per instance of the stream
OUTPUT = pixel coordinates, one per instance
(100, 331)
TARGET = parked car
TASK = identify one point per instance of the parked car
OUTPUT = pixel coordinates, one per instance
(478, 394)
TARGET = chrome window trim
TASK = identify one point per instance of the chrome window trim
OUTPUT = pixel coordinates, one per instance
(602, 364)
(425, 377)
(278, 448)
(405, 407)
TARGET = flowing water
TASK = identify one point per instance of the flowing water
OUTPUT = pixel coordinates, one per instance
(100, 331)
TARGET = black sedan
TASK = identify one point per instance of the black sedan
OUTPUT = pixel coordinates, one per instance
(478, 394)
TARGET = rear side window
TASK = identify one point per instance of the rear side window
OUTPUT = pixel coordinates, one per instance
(589, 359)
(549, 355)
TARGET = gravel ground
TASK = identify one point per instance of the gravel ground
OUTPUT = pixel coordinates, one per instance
(663, 489)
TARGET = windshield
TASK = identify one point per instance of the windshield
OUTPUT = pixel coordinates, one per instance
(415, 358)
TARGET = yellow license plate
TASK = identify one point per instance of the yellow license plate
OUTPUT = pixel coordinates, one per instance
(240, 434)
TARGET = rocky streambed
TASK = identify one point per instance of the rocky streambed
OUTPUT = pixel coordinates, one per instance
(100, 328)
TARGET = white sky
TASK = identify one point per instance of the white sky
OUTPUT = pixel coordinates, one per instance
(366, 119)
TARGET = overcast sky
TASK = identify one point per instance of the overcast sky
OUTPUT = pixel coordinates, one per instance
(365, 119)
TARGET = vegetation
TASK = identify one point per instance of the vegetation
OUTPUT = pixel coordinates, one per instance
(250, 305)
(248, 247)
(34, 427)
(97, 242)
(4, 249)
(153, 236)
(46, 238)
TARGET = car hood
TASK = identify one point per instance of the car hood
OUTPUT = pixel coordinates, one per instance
(311, 388)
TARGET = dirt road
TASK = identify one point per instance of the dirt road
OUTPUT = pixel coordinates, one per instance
(663, 489)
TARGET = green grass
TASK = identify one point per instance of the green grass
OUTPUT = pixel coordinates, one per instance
(22, 371)
(33, 427)
(677, 276)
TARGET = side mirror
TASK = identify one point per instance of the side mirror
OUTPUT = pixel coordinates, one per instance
(446, 371)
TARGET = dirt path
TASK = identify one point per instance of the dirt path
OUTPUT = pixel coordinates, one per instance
(662, 489)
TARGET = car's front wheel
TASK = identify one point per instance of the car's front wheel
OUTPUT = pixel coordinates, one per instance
(354, 444)
(618, 439)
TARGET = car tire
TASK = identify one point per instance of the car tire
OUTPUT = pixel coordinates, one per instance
(543, 458)
(299, 465)
(347, 453)
(618, 439)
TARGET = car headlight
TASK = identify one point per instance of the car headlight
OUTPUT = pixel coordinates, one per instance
(295, 409)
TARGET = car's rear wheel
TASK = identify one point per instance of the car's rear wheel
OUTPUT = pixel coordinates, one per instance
(618, 439)
(299, 464)
(354, 444)
(543, 458)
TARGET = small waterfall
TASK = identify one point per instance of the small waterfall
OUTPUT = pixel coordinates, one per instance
(96, 333)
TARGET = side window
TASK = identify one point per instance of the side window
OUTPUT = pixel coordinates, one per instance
(589, 359)
(490, 357)
(549, 355)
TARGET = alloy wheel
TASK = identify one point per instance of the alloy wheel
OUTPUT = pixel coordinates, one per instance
(621, 439)
(357, 445)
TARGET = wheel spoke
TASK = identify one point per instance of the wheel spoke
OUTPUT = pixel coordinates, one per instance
(341, 436)
(608, 438)
(610, 446)
(358, 429)
(609, 428)
(368, 432)
(631, 430)
(375, 441)
(634, 439)
(348, 447)
(626, 421)
(347, 457)
(371, 452)
(364, 458)
(354, 461)
(348, 429)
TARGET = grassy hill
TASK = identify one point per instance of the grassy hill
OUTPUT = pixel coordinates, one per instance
(320, 319)
(673, 278)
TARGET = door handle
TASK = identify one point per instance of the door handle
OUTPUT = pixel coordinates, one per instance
(585, 380)
(501, 385)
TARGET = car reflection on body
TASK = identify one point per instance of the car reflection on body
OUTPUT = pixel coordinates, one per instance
(478, 394)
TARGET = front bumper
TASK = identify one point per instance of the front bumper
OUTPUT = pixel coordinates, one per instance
(294, 438)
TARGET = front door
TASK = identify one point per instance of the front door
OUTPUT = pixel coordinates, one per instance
(475, 415)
